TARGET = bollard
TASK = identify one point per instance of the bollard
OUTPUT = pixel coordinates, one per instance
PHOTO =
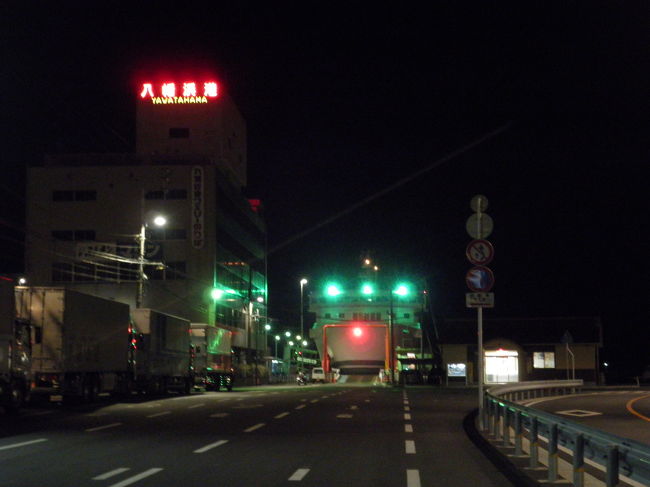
(518, 434)
(534, 443)
(579, 461)
(611, 468)
(552, 454)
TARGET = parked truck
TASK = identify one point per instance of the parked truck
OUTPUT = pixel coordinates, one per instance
(163, 356)
(212, 357)
(83, 345)
(15, 351)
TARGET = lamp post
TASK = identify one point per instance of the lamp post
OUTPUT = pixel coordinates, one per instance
(158, 221)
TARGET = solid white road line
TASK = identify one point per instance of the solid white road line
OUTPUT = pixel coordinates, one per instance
(135, 478)
(407, 416)
(256, 427)
(299, 474)
(413, 478)
(110, 474)
(164, 413)
(408, 428)
(211, 446)
(409, 446)
(300, 407)
(106, 426)
(24, 443)
(281, 415)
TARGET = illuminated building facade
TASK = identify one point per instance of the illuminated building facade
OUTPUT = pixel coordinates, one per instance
(85, 213)
(360, 320)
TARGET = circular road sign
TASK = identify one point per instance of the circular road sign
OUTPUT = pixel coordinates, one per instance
(481, 221)
(478, 203)
(480, 252)
(479, 279)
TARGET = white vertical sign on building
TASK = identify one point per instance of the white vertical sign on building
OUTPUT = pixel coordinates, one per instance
(198, 199)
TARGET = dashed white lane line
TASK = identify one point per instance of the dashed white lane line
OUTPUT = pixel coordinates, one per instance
(155, 415)
(407, 416)
(136, 478)
(210, 446)
(313, 401)
(413, 478)
(96, 415)
(197, 406)
(300, 407)
(353, 408)
(255, 427)
(299, 474)
(106, 426)
(409, 446)
(24, 443)
(408, 428)
(407, 408)
(112, 473)
(281, 415)
(345, 416)
(219, 415)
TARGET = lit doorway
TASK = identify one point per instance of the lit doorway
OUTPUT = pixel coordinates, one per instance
(501, 366)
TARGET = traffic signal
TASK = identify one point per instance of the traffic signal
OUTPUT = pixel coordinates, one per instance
(333, 290)
(367, 289)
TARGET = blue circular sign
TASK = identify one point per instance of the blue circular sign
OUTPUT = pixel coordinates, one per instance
(479, 279)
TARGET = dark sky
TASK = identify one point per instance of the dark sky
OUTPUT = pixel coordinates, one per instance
(342, 101)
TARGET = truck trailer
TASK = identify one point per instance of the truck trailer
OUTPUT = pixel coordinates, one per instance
(212, 357)
(15, 351)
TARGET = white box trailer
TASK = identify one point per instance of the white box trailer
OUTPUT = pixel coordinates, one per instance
(212, 357)
(163, 356)
(15, 351)
(80, 343)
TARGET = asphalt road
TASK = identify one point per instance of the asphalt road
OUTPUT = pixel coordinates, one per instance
(329, 435)
(624, 413)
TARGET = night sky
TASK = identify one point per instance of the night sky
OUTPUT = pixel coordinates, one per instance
(342, 102)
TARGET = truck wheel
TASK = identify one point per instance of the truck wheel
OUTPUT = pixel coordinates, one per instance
(15, 400)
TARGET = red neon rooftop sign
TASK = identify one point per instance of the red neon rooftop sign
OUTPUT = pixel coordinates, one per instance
(170, 93)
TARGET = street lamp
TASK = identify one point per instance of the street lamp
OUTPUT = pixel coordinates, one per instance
(159, 221)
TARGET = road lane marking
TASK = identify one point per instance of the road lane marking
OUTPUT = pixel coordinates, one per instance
(367, 400)
(409, 446)
(346, 416)
(96, 415)
(110, 474)
(136, 478)
(407, 408)
(24, 443)
(256, 427)
(299, 474)
(407, 416)
(630, 408)
(300, 407)
(354, 407)
(106, 426)
(219, 415)
(211, 446)
(197, 406)
(164, 413)
(281, 415)
(313, 401)
(413, 478)
(408, 428)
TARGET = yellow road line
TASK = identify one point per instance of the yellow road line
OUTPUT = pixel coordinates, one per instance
(633, 411)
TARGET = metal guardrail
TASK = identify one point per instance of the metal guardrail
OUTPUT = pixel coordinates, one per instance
(618, 456)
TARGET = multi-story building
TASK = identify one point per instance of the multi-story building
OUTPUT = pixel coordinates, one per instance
(366, 323)
(86, 214)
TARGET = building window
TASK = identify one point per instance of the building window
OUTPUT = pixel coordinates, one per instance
(342, 315)
(175, 270)
(61, 272)
(168, 194)
(328, 316)
(73, 235)
(74, 195)
(407, 315)
(544, 360)
(179, 133)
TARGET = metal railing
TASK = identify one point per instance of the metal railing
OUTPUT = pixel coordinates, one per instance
(510, 423)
